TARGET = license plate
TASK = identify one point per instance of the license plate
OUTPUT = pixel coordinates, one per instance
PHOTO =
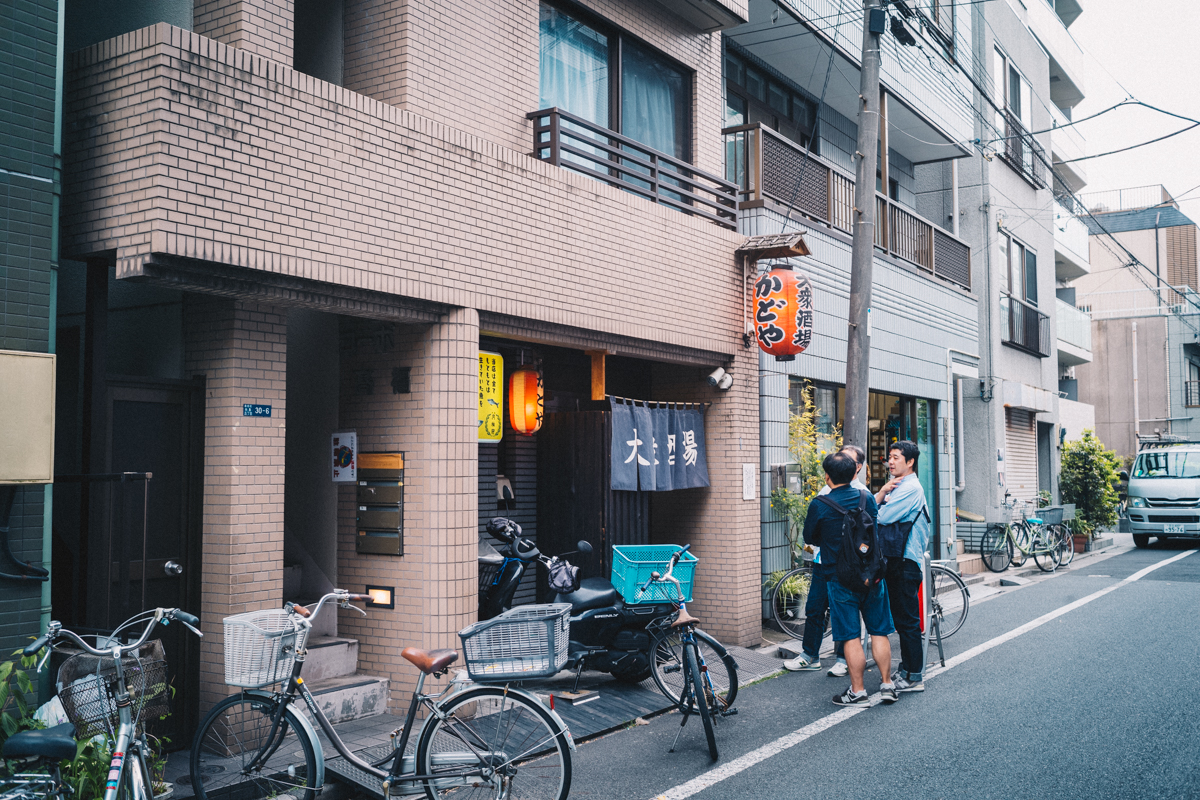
(1174, 529)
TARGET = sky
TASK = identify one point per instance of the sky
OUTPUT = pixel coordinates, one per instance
(1150, 48)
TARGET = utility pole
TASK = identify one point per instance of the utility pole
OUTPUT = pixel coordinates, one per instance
(858, 340)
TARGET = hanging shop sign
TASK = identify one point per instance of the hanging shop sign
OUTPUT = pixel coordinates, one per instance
(526, 400)
(491, 396)
(783, 313)
(344, 449)
(657, 447)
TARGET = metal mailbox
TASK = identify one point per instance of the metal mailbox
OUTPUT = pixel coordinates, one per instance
(380, 501)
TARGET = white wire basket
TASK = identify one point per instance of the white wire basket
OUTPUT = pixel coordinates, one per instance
(522, 643)
(260, 647)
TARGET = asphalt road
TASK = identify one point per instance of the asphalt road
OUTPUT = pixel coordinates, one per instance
(1099, 700)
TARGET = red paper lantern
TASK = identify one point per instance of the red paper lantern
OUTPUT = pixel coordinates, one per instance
(526, 400)
(783, 313)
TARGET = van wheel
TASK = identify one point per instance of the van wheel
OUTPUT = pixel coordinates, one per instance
(1141, 540)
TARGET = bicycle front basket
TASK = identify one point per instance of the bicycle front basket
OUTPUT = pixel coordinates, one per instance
(523, 642)
(260, 647)
(87, 689)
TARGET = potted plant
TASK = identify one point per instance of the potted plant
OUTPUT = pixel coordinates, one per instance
(1088, 478)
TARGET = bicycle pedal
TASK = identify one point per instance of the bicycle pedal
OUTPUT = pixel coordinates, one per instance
(670, 668)
(729, 712)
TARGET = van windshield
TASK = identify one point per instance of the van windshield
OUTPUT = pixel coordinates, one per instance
(1167, 465)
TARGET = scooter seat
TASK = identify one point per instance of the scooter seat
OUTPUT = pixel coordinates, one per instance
(592, 593)
(57, 742)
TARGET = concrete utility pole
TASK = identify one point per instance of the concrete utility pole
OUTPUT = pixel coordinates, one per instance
(858, 340)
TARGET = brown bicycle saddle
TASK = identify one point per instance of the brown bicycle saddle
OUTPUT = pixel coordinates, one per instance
(429, 661)
(684, 618)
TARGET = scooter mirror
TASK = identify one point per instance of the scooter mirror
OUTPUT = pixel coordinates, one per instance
(584, 547)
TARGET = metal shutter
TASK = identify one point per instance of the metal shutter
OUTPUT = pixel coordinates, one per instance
(1020, 455)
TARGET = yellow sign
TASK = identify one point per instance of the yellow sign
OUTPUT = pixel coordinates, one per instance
(491, 396)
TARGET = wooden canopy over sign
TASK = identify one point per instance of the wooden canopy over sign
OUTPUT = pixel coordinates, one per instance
(774, 245)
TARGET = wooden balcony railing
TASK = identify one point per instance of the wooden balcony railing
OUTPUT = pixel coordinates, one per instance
(765, 164)
(573, 143)
(1023, 153)
(1024, 327)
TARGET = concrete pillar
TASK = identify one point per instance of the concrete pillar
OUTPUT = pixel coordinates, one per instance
(240, 349)
(263, 27)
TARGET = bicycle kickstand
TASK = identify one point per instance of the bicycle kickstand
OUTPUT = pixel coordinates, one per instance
(686, 713)
(937, 632)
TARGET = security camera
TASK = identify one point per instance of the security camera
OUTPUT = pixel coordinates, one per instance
(715, 376)
(725, 382)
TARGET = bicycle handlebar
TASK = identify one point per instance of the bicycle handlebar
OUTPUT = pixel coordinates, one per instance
(667, 577)
(163, 615)
(340, 597)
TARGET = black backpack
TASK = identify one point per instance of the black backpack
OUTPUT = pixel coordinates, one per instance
(893, 537)
(860, 562)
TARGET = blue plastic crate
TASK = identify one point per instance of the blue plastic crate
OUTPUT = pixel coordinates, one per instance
(633, 563)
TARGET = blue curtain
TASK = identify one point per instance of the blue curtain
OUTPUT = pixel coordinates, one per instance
(653, 100)
(574, 66)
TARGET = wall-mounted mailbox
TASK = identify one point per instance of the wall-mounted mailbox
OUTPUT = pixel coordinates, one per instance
(380, 500)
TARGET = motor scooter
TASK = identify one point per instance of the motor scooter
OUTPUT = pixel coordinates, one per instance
(607, 634)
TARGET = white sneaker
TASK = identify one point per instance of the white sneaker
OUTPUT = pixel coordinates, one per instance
(801, 663)
(838, 670)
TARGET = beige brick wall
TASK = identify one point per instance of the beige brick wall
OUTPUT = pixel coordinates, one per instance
(240, 348)
(183, 146)
(435, 426)
(474, 66)
(262, 27)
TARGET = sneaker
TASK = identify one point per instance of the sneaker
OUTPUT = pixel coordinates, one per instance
(802, 663)
(903, 684)
(887, 693)
(838, 670)
(849, 698)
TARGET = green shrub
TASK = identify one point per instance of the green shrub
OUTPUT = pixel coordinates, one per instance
(1088, 479)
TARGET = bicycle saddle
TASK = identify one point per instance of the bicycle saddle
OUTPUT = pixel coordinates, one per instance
(1034, 521)
(57, 742)
(427, 661)
(684, 618)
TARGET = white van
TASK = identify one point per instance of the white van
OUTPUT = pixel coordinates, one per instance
(1164, 492)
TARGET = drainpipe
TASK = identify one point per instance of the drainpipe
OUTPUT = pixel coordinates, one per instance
(1137, 419)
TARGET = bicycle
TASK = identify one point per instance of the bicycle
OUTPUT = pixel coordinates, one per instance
(949, 599)
(1003, 544)
(105, 692)
(677, 650)
(475, 740)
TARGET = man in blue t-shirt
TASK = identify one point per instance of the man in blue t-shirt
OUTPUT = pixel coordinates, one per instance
(823, 528)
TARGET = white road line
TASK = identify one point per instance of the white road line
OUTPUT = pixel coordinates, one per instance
(743, 763)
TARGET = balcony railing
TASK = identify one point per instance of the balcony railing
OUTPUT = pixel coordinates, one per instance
(1072, 233)
(1022, 152)
(1191, 393)
(765, 164)
(1024, 327)
(1074, 326)
(573, 143)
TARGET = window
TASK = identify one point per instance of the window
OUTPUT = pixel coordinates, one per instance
(1020, 264)
(1014, 94)
(752, 96)
(650, 101)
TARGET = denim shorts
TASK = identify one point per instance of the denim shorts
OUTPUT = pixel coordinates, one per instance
(845, 607)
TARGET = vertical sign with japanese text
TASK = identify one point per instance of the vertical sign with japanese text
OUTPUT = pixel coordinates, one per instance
(344, 450)
(491, 396)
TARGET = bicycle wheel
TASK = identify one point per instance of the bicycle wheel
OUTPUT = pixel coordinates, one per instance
(494, 743)
(135, 781)
(668, 667)
(949, 600)
(1068, 544)
(1047, 551)
(698, 692)
(788, 599)
(996, 548)
(233, 735)
(1022, 544)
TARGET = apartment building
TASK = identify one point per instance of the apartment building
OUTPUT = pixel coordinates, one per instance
(1141, 297)
(286, 222)
(1026, 245)
(792, 116)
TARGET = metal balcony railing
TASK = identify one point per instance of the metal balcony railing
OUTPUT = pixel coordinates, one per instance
(1074, 326)
(573, 143)
(1022, 152)
(1191, 393)
(1024, 327)
(765, 164)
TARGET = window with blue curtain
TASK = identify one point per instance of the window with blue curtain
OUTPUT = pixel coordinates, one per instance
(653, 95)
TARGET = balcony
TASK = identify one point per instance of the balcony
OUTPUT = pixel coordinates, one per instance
(1074, 334)
(1066, 145)
(764, 165)
(1022, 152)
(1067, 63)
(573, 143)
(1071, 245)
(1024, 327)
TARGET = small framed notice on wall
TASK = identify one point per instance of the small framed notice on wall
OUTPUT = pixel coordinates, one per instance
(344, 450)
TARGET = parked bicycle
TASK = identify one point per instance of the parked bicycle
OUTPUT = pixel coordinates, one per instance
(949, 601)
(109, 691)
(476, 741)
(1011, 543)
(678, 652)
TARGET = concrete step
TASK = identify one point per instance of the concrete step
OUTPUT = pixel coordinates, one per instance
(970, 564)
(330, 657)
(348, 697)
